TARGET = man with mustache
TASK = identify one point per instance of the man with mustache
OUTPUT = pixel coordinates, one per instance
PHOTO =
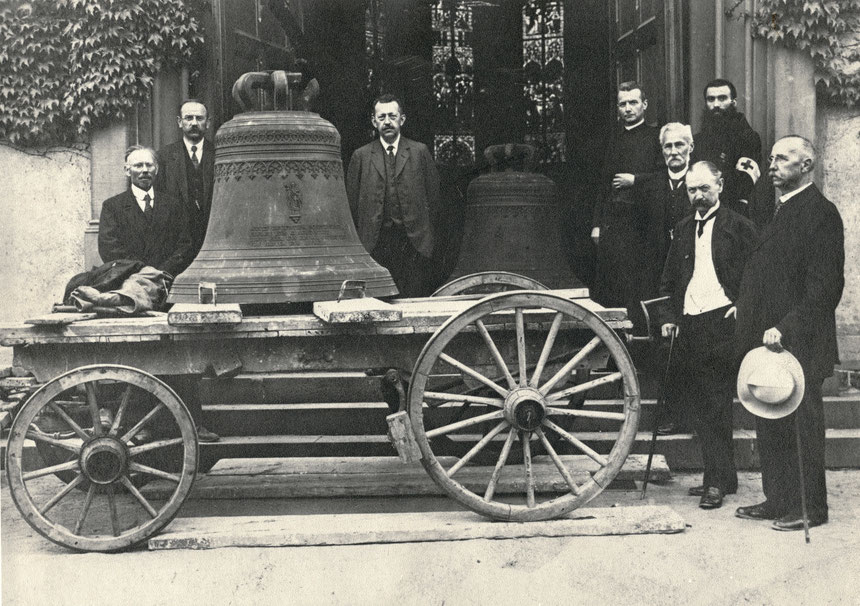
(620, 228)
(702, 276)
(187, 169)
(393, 190)
(727, 140)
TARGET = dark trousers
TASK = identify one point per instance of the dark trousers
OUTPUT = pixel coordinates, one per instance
(706, 384)
(407, 266)
(777, 444)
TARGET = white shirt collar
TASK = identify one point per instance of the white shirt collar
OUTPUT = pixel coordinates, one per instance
(785, 197)
(139, 195)
(678, 175)
(188, 145)
(395, 143)
(710, 212)
(631, 127)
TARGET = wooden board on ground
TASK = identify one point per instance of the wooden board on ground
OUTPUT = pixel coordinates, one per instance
(349, 311)
(357, 529)
(276, 478)
(191, 314)
(60, 319)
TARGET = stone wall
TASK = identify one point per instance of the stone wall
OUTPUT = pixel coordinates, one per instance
(45, 205)
(838, 134)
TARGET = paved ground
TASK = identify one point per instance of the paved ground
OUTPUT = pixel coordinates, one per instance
(718, 560)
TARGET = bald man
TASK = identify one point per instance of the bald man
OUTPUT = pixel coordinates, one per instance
(789, 293)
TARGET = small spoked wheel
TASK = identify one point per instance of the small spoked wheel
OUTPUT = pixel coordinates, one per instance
(527, 349)
(487, 282)
(108, 429)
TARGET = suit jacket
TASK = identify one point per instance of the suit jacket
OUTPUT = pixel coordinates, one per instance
(794, 280)
(173, 178)
(732, 241)
(162, 242)
(416, 182)
(666, 207)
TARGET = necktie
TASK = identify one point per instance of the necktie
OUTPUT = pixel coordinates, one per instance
(390, 158)
(701, 224)
(675, 183)
(147, 210)
(778, 207)
(194, 159)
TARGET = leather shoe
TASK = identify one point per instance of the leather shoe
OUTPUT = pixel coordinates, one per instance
(204, 435)
(712, 498)
(667, 429)
(759, 511)
(794, 521)
(697, 491)
(142, 437)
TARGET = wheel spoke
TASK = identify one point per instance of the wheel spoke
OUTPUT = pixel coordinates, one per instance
(571, 364)
(473, 373)
(140, 498)
(500, 464)
(558, 462)
(136, 450)
(94, 407)
(86, 508)
(527, 463)
(154, 472)
(69, 421)
(59, 496)
(566, 393)
(521, 345)
(576, 442)
(126, 396)
(38, 436)
(140, 424)
(497, 355)
(67, 466)
(455, 397)
(547, 348)
(477, 448)
(114, 519)
(490, 416)
(593, 414)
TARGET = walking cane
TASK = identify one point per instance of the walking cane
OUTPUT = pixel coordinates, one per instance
(658, 413)
(803, 510)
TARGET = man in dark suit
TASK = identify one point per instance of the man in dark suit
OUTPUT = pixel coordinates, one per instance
(145, 224)
(702, 276)
(623, 275)
(788, 297)
(393, 190)
(186, 169)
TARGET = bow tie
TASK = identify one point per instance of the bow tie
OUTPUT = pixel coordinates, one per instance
(700, 223)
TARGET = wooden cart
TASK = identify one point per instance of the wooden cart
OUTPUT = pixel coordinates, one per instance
(494, 380)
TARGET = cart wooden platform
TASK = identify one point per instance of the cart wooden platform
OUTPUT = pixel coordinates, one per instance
(491, 381)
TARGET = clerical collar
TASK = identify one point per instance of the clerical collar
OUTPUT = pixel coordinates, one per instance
(395, 143)
(710, 212)
(785, 197)
(635, 125)
(677, 176)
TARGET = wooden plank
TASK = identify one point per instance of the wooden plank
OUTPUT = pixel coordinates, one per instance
(357, 529)
(60, 319)
(5, 419)
(351, 311)
(194, 314)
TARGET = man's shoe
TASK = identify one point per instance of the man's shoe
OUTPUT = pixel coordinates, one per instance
(712, 498)
(760, 511)
(106, 418)
(204, 435)
(794, 521)
(697, 491)
(144, 436)
(667, 429)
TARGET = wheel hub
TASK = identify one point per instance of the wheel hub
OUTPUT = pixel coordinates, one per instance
(104, 460)
(525, 408)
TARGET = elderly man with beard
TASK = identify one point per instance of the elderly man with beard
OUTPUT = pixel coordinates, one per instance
(702, 278)
(620, 228)
(727, 140)
(187, 169)
(393, 190)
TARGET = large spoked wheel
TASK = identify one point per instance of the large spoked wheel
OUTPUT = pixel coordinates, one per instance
(525, 347)
(132, 427)
(487, 282)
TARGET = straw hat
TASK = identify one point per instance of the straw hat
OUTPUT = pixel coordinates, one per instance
(770, 384)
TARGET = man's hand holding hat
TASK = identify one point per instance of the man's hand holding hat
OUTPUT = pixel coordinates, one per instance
(772, 339)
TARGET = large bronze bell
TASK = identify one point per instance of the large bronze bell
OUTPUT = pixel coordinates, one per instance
(512, 221)
(280, 230)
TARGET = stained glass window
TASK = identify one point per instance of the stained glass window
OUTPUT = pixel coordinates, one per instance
(374, 43)
(543, 66)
